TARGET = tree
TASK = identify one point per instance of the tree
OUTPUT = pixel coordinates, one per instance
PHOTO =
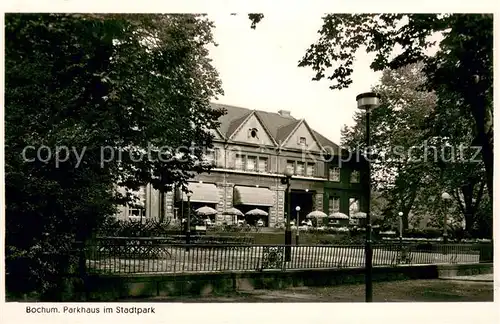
(418, 150)
(397, 136)
(112, 98)
(462, 67)
(461, 171)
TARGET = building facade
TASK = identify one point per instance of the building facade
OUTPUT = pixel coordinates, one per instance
(252, 150)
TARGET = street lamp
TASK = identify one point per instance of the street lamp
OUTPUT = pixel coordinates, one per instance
(288, 232)
(297, 209)
(368, 101)
(446, 198)
(188, 230)
(400, 214)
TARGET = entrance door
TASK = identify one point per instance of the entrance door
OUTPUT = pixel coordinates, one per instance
(301, 198)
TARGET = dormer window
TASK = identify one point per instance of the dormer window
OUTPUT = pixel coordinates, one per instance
(253, 133)
(302, 141)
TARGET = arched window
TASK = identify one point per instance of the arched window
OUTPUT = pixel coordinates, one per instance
(253, 132)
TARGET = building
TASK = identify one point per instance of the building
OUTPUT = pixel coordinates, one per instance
(252, 150)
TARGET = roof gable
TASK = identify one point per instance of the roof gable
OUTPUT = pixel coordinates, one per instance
(285, 131)
(277, 126)
(217, 135)
(231, 114)
(236, 124)
(252, 130)
(274, 121)
(302, 131)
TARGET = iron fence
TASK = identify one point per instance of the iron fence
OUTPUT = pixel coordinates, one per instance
(161, 256)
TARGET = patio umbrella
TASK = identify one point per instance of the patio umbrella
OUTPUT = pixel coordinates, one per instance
(257, 212)
(233, 211)
(206, 211)
(338, 215)
(316, 214)
(359, 215)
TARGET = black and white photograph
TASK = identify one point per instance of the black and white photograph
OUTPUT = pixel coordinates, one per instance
(154, 158)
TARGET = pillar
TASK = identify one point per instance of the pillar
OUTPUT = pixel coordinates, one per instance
(278, 211)
(318, 201)
(169, 206)
(225, 192)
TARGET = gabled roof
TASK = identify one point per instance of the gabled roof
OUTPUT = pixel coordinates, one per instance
(279, 127)
(313, 134)
(274, 121)
(285, 131)
(238, 123)
(232, 114)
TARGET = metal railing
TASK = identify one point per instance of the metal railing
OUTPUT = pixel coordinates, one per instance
(154, 256)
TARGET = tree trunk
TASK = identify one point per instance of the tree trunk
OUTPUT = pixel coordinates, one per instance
(469, 222)
(483, 117)
(487, 151)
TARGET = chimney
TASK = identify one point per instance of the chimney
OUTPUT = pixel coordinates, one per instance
(284, 113)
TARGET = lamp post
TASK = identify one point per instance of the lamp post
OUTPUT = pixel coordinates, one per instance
(188, 222)
(400, 214)
(368, 101)
(288, 232)
(176, 213)
(446, 198)
(297, 209)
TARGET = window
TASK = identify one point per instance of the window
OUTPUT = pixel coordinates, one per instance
(210, 157)
(238, 162)
(302, 141)
(335, 174)
(353, 206)
(137, 209)
(252, 132)
(355, 177)
(334, 205)
(251, 163)
(290, 165)
(300, 168)
(262, 164)
(245, 162)
(311, 170)
(134, 213)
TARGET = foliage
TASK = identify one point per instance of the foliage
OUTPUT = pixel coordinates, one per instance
(96, 84)
(255, 18)
(461, 69)
(398, 133)
(458, 77)
(419, 152)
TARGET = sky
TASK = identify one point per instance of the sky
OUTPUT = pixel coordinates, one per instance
(258, 69)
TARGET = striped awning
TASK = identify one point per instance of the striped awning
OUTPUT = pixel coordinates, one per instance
(253, 196)
(202, 192)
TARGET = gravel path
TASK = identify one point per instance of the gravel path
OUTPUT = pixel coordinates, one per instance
(397, 291)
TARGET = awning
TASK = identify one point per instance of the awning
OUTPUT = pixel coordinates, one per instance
(253, 196)
(202, 192)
